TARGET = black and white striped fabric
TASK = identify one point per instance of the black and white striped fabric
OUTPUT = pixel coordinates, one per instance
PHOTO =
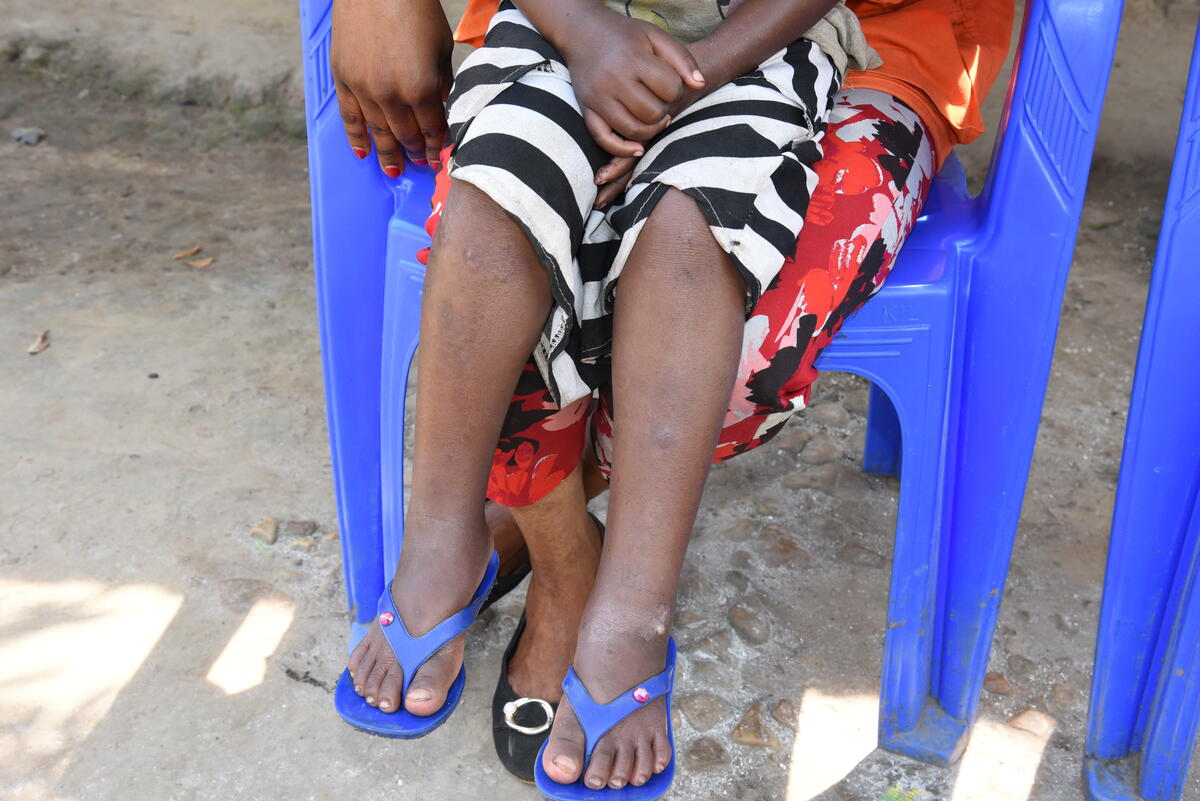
(744, 153)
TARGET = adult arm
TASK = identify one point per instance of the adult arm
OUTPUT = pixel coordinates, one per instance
(391, 70)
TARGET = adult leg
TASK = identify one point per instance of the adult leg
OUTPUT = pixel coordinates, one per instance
(486, 296)
(677, 336)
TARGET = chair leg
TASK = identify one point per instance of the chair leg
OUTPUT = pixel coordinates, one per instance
(401, 329)
(402, 323)
(881, 453)
(911, 722)
(1175, 706)
(351, 204)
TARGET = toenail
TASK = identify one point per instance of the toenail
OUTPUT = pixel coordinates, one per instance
(639, 780)
(616, 784)
(595, 783)
(565, 763)
(358, 689)
(370, 699)
(419, 695)
(385, 705)
(386, 619)
(641, 695)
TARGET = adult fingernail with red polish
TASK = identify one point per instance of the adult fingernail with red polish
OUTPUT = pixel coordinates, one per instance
(358, 151)
(392, 171)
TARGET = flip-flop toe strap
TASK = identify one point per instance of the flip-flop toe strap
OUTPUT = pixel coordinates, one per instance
(412, 652)
(596, 719)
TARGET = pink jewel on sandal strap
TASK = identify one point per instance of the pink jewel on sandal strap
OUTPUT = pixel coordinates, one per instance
(641, 695)
(386, 618)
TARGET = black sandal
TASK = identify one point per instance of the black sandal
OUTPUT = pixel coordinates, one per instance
(520, 725)
(504, 585)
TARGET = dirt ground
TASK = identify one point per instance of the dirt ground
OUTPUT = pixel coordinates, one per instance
(150, 648)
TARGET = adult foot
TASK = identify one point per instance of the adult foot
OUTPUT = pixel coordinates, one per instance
(554, 607)
(441, 565)
(622, 642)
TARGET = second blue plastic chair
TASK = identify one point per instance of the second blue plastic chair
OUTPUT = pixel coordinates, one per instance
(1146, 684)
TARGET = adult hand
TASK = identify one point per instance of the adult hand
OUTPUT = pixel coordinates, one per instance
(391, 70)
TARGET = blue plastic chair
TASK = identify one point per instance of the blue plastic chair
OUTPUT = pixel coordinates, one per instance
(957, 345)
(1146, 684)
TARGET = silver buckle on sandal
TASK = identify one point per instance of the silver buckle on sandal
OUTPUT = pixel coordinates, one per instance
(510, 713)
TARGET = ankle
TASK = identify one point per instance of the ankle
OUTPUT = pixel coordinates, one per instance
(627, 617)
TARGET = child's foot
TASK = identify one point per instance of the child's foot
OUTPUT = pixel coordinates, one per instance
(440, 568)
(620, 644)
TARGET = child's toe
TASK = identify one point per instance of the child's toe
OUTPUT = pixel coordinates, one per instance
(563, 759)
(599, 767)
(430, 685)
(389, 690)
(622, 767)
(373, 681)
(362, 671)
(358, 656)
(662, 751)
(643, 763)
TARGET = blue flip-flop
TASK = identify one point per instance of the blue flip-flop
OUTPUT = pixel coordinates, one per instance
(412, 652)
(596, 719)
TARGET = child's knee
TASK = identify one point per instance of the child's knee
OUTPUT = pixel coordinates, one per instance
(477, 235)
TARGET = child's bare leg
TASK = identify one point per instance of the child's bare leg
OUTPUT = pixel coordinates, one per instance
(677, 338)
(486, 298)
(564, 551)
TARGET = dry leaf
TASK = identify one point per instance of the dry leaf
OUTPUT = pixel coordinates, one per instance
(40, 344)
(201, 262)
(187, 254)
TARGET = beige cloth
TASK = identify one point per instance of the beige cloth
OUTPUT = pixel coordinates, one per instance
(838, 34)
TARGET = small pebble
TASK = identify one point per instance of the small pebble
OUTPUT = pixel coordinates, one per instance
(266, 531)
(753, 730)
(786, 714)
(1020, 665)
(852, 484)
(27, 136)
(741, 560)
(822, 477)
(304, 543)
(716, 646)
(705, 754)
(749, 621)
(856, 401)
(297, 528)
(1063, 694)
(1097, 218)
(859, 556)
(793, 438)
(736, 579)
(832, 414)
(820, 449)
(704, 710)
(1033, 721)
(997, 684)
(740, 530)
(779, 548)
(152, 375)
